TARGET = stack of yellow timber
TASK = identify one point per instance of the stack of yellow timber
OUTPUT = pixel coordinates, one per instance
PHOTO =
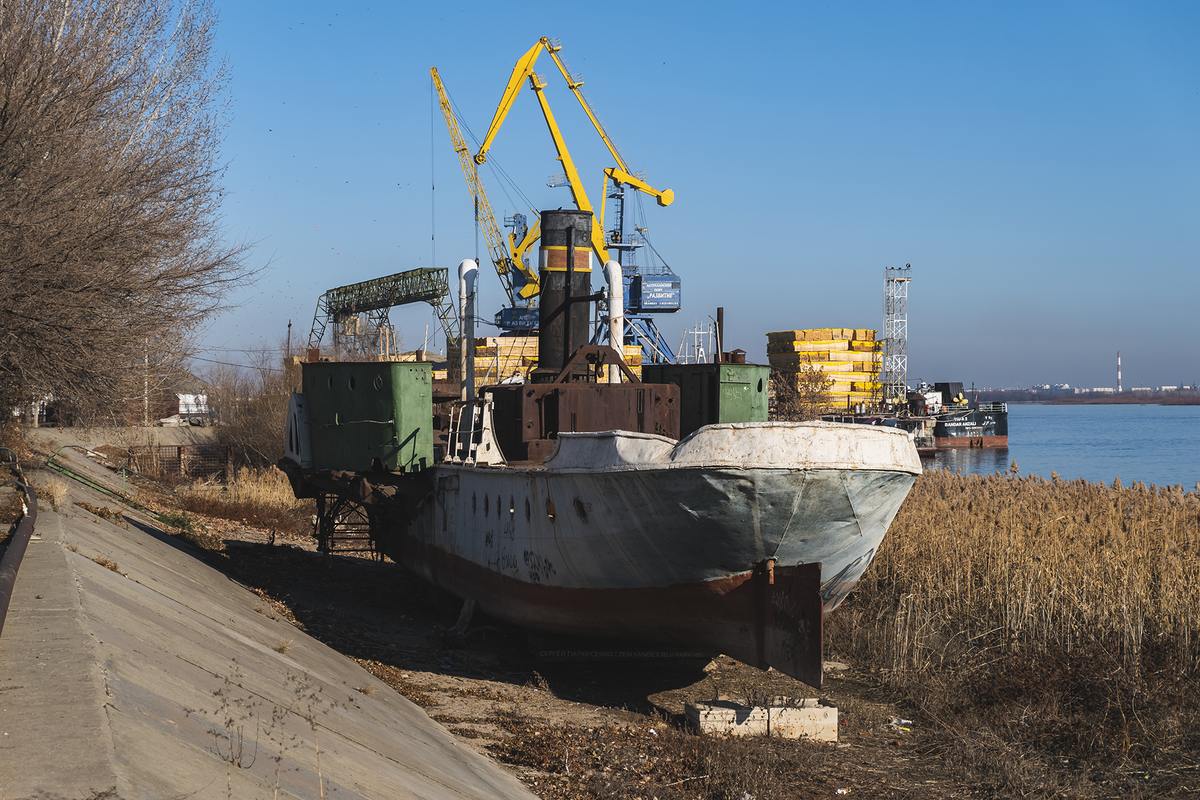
(442, 375)
(633, 360)
(500, 357)
(850, 357)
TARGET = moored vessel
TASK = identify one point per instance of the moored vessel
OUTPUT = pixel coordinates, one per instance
(958, 422)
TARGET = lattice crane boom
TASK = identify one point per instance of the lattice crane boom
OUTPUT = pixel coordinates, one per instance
(505, 264)
(374, 298)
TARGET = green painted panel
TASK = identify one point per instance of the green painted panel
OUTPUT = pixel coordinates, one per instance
(367, 413)
(714, 393)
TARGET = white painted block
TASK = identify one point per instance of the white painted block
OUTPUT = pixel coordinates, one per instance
(806, 719)
(727, 717)
(811, 720)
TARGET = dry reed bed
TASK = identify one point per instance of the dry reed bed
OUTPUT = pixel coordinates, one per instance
(973, 562)
(261, 498)
(1044, 625)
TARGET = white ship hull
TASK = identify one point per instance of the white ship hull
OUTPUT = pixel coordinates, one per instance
(717, 542)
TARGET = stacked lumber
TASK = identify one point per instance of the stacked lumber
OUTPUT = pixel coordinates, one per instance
(850, 357)
(500, 357)
(633, 359)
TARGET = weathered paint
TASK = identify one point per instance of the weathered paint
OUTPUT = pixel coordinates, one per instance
(635, 535)
(736, 539)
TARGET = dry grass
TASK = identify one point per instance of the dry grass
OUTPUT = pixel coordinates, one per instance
(55, 491)
(1039, 621)
(655, 759)
(261, 499)
(113, 515)
(108, 564)
(972, 562)
(12, 508)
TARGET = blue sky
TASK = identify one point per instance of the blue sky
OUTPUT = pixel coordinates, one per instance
(1037, 164)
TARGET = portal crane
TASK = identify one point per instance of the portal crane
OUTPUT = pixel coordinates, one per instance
(661, 292)
(621, 175)
(524, 283)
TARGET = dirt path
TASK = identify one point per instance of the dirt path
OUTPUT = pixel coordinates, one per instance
(582, 730)
(577, 730)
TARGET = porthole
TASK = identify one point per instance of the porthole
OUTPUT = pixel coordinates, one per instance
(760, 385)
(485, 505)
(527, 514)
(350, 382)
(512, 506)
(329, 382)
(472, 502)
(378, 383)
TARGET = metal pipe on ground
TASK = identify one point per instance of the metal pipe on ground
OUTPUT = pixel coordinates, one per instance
(16, 548)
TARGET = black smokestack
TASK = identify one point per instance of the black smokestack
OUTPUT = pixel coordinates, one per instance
(563, 313)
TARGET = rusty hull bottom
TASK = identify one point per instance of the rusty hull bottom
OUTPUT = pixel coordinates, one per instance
(759, 618)
(970, 442)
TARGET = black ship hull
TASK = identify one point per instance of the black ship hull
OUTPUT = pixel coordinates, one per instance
(984, 426)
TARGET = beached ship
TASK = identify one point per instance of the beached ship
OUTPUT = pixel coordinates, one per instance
(574, 506)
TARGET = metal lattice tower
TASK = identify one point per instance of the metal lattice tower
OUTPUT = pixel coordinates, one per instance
(895, 333)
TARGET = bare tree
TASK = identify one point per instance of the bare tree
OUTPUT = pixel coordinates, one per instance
(800, 394)
(251, 404)
(111, 117)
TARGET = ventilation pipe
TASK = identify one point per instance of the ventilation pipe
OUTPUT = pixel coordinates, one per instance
(616, 316)
(468, 270)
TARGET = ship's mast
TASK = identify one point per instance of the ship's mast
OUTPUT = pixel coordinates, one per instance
(895, 332)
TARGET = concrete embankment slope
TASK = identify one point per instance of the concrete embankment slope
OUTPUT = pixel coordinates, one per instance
(128, 666)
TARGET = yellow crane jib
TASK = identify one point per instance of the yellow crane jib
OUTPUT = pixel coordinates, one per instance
(524, 70)
(664, 198)
(519, 249)
(564, 156)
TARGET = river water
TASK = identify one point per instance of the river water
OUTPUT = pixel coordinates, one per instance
(1153, 444)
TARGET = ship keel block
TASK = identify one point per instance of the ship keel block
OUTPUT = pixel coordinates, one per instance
(791, 632)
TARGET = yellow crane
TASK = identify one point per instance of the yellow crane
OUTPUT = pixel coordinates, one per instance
(621, 174)
(508, 260)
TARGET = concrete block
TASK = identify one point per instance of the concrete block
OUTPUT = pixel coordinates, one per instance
(809, 719)
(727, 717)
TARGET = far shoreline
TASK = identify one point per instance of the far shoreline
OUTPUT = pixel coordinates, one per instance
(1125, 398)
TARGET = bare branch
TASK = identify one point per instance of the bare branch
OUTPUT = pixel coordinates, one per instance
(111, 251)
